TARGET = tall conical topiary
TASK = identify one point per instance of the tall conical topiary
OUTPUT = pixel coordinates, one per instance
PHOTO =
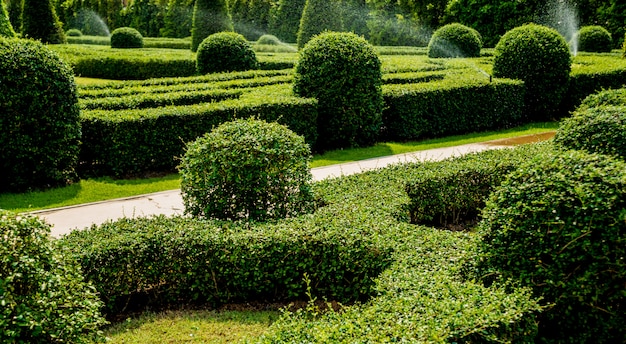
(209, 17)
(40, 22)
(6, 29)
(319, 16)
(285, 23)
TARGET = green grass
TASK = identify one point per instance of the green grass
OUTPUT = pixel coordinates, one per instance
(99, 189)
(191, 327)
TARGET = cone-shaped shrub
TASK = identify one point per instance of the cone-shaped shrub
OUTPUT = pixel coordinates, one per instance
(6, 29)
(43, 296)
(40, 22)
(343, 72)
(126, 37)
(287, 20)
(247, 170)
(557, 225)
(318, 16)
(540, 57)
(225, 52)
(455, 40)
(209, 17)
(594, 39)
(39, 121)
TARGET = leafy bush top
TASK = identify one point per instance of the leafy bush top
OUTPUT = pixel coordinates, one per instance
(540, 57)
(594, 38)
(126, 37)
(455, 40)
(73, 33)
(225, 52)
(557, 225)
(40, 117)
(268, 39)
(249, 170)
(43, 295)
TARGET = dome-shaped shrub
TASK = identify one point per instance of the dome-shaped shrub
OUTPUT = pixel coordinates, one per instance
(269, 40)
(595, 130)
(225, 52)
(126, 37)
(557, 225)
(39, 118)
(73, 33)
(43, 297)
(247, 169)
(455, 40)
(540, 57)
(343, 72)
(594, 39)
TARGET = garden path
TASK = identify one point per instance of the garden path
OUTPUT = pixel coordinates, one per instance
(66, 219)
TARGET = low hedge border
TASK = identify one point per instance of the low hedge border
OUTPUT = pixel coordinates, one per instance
(458, 104)
(136, 141)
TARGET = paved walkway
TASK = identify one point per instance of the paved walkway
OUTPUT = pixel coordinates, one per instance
(66, 219)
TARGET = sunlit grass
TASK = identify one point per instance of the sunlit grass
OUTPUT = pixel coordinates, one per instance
(192, 327)
(99, 189)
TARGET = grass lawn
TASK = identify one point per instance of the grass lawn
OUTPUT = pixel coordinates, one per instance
(99, 189)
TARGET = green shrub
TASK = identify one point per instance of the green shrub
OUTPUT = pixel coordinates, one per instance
(247, 169)
(225, 52)
(596, 130)
(42, 292)
(73, 33)
(40, 22)
(209, 17)
(6, 29)
(624, 47)
(40, 118)
(286, 21)
(615, 97)
(269, 40)
(540, 57)
(318, 16)
(594, 39)
(126, 37)
(557, 225)
(455, 40)
(343, 72)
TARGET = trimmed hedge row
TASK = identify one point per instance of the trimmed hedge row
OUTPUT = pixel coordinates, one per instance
(153, 100)
(131, 142)
(121, 68)
(148, 42)
(452, 192)
(160, 261)
(454, 105)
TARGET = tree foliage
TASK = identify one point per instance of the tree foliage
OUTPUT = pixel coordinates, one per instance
(209, 17)
(39, 21)
(318, 16)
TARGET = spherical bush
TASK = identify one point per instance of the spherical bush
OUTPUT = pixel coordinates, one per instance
(73, 33)
(594, 39)
(557, 225)
(247, 170)
(39, 121)
(455, 40)
(268, 40)
(595, 130)
(43, 295)
(225, 52)
(126, 37)
(540, 57)
(343, 72)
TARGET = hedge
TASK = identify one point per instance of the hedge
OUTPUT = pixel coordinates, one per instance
(454, 105)
(131, 142)
(154, 100)
(451, 193)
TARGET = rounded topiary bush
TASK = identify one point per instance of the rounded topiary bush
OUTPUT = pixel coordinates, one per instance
(126, 37)
(225, 52)
(594, 39)
(455, 40)
(73, 33)
(540, 57)
(595, 130)
(269, 40)
(249, 170)
(343, 72)
(557, 225)
(39, 121)
(43, 296)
